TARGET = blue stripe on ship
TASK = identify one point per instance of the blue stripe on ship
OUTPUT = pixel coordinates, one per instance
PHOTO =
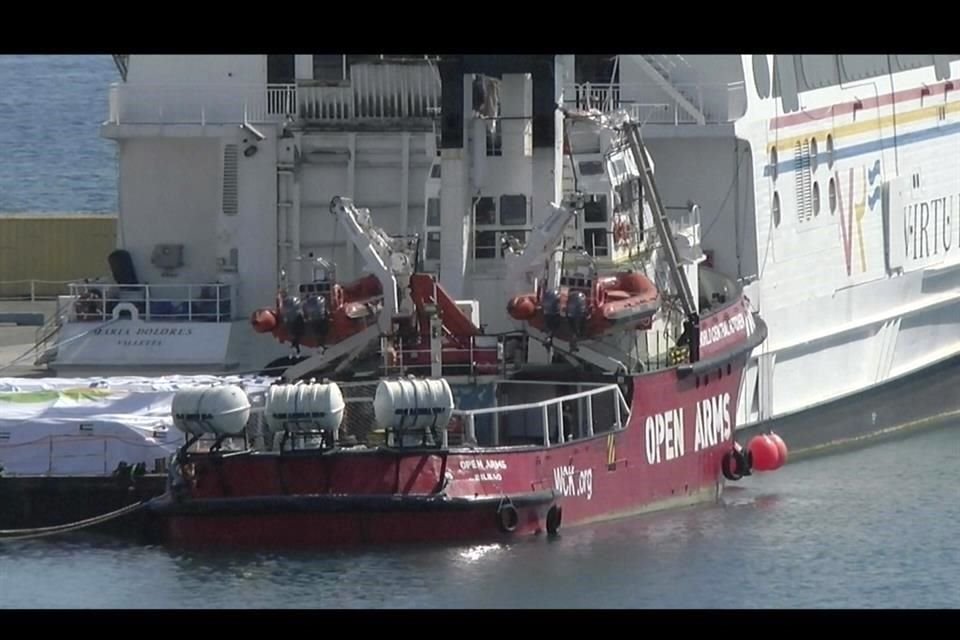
(843, 153)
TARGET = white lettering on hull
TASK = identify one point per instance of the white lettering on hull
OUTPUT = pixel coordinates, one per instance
(567, 481)
(724, 329)
(486, 470)
(665, 433)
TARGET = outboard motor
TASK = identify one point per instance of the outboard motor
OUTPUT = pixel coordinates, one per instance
(577, 312)
(292, 319)
(315, 315)
(551, 309)
(289, 310)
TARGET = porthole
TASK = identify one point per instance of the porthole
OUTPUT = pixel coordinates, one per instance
(833, 196)
(829, 151)
(776, 209)
(761, 75)
(813, 154)
(773, 162)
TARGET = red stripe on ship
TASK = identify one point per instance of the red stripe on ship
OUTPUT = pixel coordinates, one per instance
(867, 103)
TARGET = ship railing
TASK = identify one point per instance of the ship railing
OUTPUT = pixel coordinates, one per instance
(383, 91)
(201, 104)
(548, 422)
(663, 350)
(649, 103)
(99, 302)
(483, 355)
(33, 290)
(593, 409)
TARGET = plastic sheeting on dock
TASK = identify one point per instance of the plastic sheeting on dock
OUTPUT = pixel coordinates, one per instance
(88, 426)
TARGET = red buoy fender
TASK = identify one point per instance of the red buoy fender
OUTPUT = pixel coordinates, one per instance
(781, 448)
(263, 320)
(764, 452)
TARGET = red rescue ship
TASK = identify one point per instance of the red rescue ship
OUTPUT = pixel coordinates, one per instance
(408, 422)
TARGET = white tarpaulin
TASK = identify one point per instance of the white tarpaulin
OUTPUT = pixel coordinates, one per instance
(87, 426)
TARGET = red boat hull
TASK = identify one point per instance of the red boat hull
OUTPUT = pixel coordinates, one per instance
(681, 424)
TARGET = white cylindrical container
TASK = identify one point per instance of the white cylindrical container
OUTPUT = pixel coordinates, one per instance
(407, 404)
(304, 407)
(222, 410)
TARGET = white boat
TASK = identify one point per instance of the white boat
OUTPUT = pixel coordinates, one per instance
(825, 183)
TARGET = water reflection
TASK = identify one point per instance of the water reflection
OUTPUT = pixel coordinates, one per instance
(872, 528)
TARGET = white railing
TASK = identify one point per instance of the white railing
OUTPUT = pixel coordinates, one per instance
(200, 104)
(374, 92)
(33, 289)
(548, 418)
(152, 302)
(539, 413)
(648, 102)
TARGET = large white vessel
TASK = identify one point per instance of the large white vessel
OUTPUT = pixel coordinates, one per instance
(826, 183)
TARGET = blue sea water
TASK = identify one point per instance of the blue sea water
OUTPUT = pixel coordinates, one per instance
(874, 528)
(871, 529)
(52, 158)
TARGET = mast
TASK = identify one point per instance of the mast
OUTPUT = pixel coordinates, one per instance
(652, 195)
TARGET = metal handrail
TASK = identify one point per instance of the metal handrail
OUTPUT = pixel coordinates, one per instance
(620, 406)
(33, 295)
(108, 297)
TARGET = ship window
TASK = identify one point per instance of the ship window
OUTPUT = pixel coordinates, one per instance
(591, 168)
(595, 208)
(596, 241)
(813, 154)
(485, 245)
(785, 82)
(816, 198)
(773, 162)
(941, 67)
(433, 212)
(913, 62)
(626, 194)
(818, 71)
(857, 67)
(435, 171)
(489, 236)
(761, 75)
(280, 69)
(776, 209)
(329, 68)
(832, 189)
(433, 245)
(513, 209)
(829, 151)
(486, 211)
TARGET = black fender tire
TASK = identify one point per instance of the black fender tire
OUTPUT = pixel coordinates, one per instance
(732, 465)
(554, 519)
(508, 518)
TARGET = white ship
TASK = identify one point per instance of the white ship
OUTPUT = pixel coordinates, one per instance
(825, 183)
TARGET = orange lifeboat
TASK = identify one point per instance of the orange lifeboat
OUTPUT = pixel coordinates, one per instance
(328, 313)
(579, 309)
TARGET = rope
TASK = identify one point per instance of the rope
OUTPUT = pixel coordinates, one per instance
(40, 532)
(56, 345)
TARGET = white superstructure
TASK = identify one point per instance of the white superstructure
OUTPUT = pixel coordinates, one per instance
(826, 182)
